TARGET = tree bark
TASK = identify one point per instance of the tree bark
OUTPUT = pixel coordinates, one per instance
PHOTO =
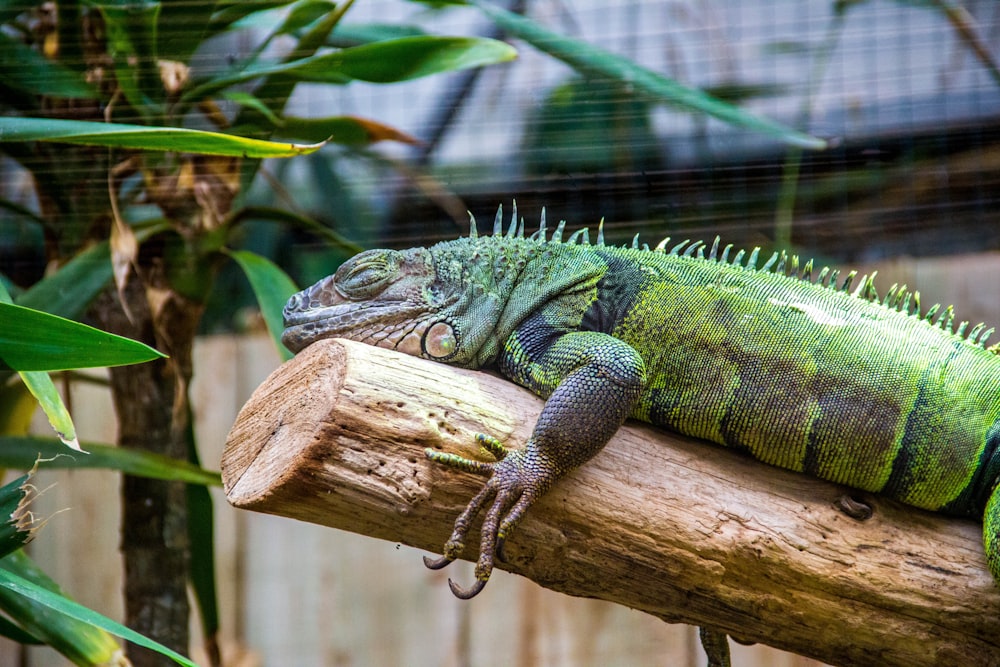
(681, 529)
(151, 404)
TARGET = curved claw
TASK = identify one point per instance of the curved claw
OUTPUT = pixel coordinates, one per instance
(437, 563)
(501, 541)
(467, 593)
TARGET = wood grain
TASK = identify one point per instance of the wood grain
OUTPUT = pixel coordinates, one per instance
(680, 529)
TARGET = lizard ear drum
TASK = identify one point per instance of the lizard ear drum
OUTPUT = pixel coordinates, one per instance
(440, 341)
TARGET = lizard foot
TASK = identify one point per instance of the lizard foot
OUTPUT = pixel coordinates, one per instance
(516, 479)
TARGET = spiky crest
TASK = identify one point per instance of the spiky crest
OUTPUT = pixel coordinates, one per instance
(498, 222)
(512, 230)
(897, 297)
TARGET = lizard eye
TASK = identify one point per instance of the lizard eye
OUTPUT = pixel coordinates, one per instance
(367, 274)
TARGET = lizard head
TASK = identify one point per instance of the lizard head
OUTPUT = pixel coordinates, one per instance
(418, 301)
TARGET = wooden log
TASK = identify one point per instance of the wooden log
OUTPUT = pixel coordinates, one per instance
(683, 530)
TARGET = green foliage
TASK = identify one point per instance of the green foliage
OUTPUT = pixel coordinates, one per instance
(35, 341)
(591, 126)
(272, 287)
(598, 63)
(382, 62)
(121, 135)
(47, 614)
(22, 451)
(141, 155)
(139, 175)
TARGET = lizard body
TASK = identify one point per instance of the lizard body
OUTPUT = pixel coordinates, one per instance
(799, 371)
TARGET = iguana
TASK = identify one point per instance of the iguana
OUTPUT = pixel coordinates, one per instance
(796, 369)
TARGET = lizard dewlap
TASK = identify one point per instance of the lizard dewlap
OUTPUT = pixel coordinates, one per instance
(814, 373)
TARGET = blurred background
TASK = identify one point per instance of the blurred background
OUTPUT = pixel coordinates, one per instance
(906, 93)
(902, 89)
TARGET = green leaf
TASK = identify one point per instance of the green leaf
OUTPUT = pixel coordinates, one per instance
(353, 34)
(182, 28)
(228, 13)
(70, 290)
(14, 633)
(272, 287)
(31, 340)
(131, 42)
(43, 389)
(21, 211)
(593, 60)
(381, 62)
(201, 533)
(146, 138)
(25, 69)
(251, 101)
(409, 58)
(66, 608)
(345, 130)
(21, 452)
(303, 13)
(11, 9)
(80, 642)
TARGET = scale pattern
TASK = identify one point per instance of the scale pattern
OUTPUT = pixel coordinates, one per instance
(813, 373)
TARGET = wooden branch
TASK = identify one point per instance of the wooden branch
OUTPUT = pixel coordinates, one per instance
(683, 530)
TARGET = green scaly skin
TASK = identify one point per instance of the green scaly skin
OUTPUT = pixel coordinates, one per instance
(798, 371)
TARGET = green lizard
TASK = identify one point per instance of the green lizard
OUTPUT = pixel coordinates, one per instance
(798, 371)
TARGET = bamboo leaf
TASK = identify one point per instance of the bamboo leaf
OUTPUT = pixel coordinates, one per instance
(201, 533)
(229, 13)
(302, 14)
(353, 34)
(382, 62)
(14, 633)
(130, 30)
(25, 69)
(20, 452)
(408, 58)
(70, 290)
(31, 340)
(21, 592)
(42, 388)
(21, 211)
(272, 287)
(346, 130)
(122, 135)
(80, 642)
(591, 59)
(182, 27)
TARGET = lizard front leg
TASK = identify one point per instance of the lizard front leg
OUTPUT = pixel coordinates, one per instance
(591, 382)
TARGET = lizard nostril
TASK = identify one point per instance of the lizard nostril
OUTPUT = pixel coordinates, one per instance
(293, 305)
